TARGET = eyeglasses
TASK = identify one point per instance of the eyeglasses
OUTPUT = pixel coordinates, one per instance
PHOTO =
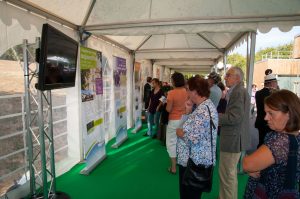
(229, 75)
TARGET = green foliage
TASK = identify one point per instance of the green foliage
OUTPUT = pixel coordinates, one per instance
(237, 60)
(287, 47)
(188, 75)
(16, 53)
(259, 55)
(283, 51)
(9, 55)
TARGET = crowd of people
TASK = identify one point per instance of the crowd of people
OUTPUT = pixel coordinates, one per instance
(188, 115)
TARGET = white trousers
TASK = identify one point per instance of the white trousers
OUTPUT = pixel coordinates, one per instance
(171, 137)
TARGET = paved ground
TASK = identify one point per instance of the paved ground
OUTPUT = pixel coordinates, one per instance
(254, 134)
(12, 77)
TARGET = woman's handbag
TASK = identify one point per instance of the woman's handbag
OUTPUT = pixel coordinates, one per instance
(289, 189)
(199, 177)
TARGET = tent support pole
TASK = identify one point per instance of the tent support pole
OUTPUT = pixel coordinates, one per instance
(142, 43)
(225, 61)
(210, 42)
(28, 121)
(32, 8)
(132, 88)
(88, 13)
(250, 65)
(249, 79)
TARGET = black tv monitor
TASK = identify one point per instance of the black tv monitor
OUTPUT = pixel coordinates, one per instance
(57, 60)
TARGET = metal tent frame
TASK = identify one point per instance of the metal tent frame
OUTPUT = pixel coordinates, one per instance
(41, 144)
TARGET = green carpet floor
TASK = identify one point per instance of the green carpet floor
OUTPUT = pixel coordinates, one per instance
(136, 170)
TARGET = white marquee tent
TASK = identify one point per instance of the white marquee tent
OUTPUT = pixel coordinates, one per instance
(190, 35)
(176, 34)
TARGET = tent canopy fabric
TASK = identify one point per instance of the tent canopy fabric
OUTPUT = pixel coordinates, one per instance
(106, 15)
(164, 30)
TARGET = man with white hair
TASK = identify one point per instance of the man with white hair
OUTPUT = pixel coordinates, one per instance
(234, 135)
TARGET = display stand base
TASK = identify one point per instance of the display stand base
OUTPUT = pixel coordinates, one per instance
(116, 145)
(134, 131)
(87, 171)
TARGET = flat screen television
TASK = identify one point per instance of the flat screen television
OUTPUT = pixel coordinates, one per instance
(57, 59)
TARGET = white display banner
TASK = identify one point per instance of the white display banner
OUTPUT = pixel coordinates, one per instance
(92, 107)
(120, 88)
(137, 100)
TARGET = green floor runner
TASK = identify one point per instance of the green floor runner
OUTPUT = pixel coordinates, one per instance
(136, 170)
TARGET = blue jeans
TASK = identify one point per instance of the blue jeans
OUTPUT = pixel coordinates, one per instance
(153, 119)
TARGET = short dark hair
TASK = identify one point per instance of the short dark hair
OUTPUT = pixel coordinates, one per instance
(156, 80)
(286, 102)
(200, 85)
(149, 79)
(221, 86)
(215, 77)
(178, 79)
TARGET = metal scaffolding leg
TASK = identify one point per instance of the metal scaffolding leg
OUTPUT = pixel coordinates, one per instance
(41, 144)
(46, 137)
(32, 140)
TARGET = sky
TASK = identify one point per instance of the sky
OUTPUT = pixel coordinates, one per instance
(273, 38)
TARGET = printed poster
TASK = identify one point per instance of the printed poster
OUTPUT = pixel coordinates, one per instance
(137, 100)
(92, 107)
(120, 100)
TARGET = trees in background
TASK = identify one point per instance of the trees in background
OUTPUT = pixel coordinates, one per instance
(237, 60)
(282, 51)
(15, 53)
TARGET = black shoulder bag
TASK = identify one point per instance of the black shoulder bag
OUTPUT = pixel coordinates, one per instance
(199, 177)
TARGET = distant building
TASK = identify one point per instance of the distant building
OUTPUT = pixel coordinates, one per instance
(296, 50)
(286, 68)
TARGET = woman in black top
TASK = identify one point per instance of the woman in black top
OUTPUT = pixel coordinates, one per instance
(153, 109)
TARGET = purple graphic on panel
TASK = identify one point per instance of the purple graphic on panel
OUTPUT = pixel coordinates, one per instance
(121, 65)
(99, 86)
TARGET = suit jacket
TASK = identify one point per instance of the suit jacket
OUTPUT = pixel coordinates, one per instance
(259, 98)
(234, 135)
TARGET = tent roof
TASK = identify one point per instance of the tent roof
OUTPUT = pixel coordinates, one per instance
(188, 32)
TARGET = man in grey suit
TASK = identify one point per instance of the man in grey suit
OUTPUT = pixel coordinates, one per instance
(234, 136)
